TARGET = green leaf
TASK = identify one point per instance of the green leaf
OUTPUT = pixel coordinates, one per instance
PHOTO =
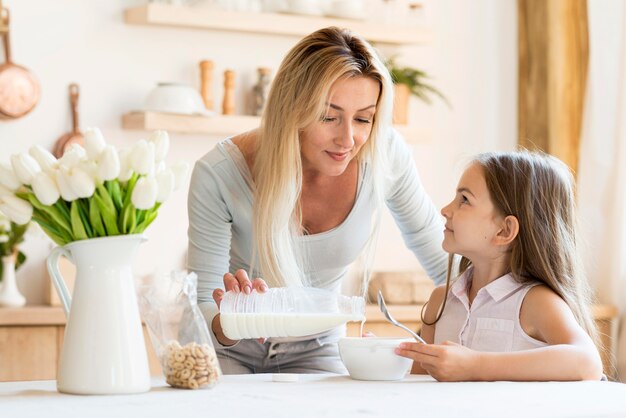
(77, 225)
(83, 209)
(129, 189)
(109, 215)
(107, 209)
(61, 205)
(52, 212)
(96, 219)
(21, 259)
(56, 235)
(132, 222)
(116, 194)
(150, 216)
(126, 218)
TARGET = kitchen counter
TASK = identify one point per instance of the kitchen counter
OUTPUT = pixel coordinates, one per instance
(326, 395)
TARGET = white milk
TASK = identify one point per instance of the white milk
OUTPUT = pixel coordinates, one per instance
(237, 326)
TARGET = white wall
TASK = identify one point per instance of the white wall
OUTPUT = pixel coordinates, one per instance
(472, 59)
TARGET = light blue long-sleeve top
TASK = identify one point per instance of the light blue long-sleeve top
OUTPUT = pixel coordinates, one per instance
(220, 222)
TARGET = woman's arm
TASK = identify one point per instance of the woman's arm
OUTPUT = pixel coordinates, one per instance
(571, 354)
(415, 214)
(209, 238)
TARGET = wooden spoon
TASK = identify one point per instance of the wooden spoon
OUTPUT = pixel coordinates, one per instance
(74, 136)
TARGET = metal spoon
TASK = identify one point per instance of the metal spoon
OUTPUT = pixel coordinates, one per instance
(383, 309)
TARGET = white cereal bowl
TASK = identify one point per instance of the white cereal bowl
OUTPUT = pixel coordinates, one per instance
(373, 358)
(175, 98)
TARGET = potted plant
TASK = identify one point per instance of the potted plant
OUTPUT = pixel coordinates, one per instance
(11, 235)
(409, 81)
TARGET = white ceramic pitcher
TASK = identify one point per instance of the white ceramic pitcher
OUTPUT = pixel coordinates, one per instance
(104, 350)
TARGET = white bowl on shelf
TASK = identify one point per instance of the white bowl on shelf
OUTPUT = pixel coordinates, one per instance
(175, 98)
(346, 9)
(305, 7)
(373, 358)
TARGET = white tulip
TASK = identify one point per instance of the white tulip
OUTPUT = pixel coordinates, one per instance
(82, 183)
(46, 160)
(180, 170)
(25, 167)
(161, 141)
(108, 164)
(67, 193)
(4, 238)
(16, 209)
(142, 157)
(8, 178)
(45, 188)
(160, 166)
(4, 191)
(145, 193)
(165, 185)
(94, 142)
(125, 169)
(73, 156)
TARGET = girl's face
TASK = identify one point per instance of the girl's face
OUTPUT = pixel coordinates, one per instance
(472, 220)
(329, 144)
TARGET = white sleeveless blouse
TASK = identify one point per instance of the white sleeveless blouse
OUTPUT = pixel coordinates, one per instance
(492, 322)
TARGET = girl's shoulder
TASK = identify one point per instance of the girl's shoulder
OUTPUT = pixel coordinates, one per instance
(541, 308)
(435, 301)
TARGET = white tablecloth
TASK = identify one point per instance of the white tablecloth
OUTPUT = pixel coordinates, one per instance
(325, 396)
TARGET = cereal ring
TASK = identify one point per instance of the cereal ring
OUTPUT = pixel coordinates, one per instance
(188, 363)
(179, 356)
(193, 384)
(178, 366)
(185, 374)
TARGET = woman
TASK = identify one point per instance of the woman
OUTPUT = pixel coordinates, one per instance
(298, 200)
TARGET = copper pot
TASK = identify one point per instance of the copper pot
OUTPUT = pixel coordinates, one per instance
(74, 136)
(19, 89)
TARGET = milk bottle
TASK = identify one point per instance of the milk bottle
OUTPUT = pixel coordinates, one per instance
(287, 312)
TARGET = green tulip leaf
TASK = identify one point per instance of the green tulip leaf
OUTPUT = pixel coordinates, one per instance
(77, 223)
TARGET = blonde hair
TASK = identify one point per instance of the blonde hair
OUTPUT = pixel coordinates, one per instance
(538, 189)
(297, 99)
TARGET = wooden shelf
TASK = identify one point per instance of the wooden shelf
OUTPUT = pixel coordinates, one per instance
(268, 23)
(223, 125)
(32, 316)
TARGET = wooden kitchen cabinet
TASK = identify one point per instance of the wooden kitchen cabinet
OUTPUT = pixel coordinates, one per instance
(30, 343)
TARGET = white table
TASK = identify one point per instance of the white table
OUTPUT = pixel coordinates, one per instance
(325, 396)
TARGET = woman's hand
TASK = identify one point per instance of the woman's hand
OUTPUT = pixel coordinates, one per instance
(237, 283)
(447, 362)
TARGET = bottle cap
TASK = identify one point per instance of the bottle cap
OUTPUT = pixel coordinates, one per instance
(285, 377)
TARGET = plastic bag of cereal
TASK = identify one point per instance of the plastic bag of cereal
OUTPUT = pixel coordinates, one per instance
(178, 331)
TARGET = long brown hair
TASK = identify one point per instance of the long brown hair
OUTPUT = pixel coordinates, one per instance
(538, 189)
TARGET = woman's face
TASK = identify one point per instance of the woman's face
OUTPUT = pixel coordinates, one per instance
(328, 145)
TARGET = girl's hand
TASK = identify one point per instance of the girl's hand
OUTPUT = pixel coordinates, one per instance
(447, 362)
(237, 282)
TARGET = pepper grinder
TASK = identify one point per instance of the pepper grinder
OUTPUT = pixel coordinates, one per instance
(206, 83)
(228, 104)
(261, 90)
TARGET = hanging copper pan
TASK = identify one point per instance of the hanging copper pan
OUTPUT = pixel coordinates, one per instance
(74, 136)
(19, 89)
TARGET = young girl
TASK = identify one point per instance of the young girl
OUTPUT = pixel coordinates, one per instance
(519, 310)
